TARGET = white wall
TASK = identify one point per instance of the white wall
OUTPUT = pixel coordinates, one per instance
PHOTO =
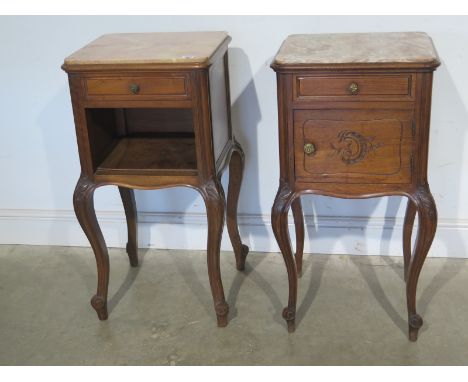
(39, 160)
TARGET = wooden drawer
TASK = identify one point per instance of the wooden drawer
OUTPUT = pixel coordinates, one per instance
(353, 146)
(353, 87)
(138, 87)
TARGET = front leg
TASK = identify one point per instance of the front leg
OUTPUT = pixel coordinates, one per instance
(83, 202)
(427, 214)
(129, 203)
(236, 167)
(213, 196)
(279, 221)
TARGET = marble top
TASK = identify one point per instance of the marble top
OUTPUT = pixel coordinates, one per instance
(148, 48)
(364, 48)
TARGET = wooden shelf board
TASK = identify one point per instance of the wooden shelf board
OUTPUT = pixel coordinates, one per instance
(151, 156)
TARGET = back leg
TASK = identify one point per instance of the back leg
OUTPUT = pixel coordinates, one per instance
(407, 233)
(129, 203)
(236, 167)
(298, 216)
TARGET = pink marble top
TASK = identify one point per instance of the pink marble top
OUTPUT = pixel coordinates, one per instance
(364, 48)
(149, 48)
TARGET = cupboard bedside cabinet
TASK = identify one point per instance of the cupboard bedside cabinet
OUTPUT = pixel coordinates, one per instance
(152, 110)
(354, 115)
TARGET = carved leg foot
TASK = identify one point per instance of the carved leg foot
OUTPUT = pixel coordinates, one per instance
(129, 203)
(84, 209)
(222, 310)
(213, 195)
(407, 233)
(290, 317)
(100, 306)
(415, 321)
(427, 214)
(279, 220)
(236, 166)
(299, 226)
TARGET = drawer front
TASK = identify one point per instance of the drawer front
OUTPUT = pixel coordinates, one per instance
(354, 87)
(353, 146)
(138, 87)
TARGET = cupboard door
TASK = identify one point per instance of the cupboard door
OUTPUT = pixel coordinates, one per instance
(353, 146)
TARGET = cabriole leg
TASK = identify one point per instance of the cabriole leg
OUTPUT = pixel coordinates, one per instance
(299, 227)
(213, 195)
(407, 233)
(83, 204)
(279, 220)
(129, 203)
(427, 214)
(236, 166)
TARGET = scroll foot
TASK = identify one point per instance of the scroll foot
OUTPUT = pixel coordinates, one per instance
(222, 310)
(415, 321)
(100, 306)
(289, 315)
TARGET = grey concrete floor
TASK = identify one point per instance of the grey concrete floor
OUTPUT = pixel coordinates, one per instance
(351, 311)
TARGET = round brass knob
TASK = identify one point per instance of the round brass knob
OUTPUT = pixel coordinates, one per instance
(309, 148)
(134, 88)
(353, 88)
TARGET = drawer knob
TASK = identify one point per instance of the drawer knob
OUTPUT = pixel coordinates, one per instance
(309, 148)
(134, 88)
(353, 88)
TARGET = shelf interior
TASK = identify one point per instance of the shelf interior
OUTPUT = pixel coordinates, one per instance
(150, 153)
(146, 141)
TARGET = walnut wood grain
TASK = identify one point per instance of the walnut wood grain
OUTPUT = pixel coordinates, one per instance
(152, 120)
(160, 136)
(368, 87)
(129, 203)
(427, 224)
(279, 221)
(151, 155)
(298, 216)
(236, 167)
(354, 146)
(83, 202)
(136, 87)
(213, 195)
(369, 144)
(410, 214)
(219, 111)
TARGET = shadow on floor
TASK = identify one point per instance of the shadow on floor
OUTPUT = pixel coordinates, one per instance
(318, 267)
(130, 278)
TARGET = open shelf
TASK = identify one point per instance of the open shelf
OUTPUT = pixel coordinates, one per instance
(150, 154)
(142, 141)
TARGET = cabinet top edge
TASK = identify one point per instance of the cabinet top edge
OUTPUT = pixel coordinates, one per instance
(411, 50)
(149, 51)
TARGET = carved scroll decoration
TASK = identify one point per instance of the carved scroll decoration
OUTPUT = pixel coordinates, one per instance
(353, 147)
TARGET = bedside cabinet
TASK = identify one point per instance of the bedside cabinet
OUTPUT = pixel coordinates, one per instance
(354, 114)
(152, 110)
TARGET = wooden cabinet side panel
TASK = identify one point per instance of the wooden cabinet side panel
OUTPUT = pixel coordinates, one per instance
(219, 107)
(202, 124)
(285, 128)
(79, 115)
(423, 115)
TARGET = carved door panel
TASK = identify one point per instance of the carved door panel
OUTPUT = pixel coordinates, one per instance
(353, 146)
